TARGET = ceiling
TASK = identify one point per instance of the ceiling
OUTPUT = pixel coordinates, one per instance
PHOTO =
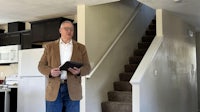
(32, 10)
(189, 10)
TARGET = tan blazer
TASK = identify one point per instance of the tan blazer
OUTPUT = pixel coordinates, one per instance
(51, 59)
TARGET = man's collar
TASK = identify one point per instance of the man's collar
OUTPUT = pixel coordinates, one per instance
(61, 42)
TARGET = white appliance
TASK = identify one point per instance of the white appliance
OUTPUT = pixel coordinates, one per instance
(9, 54)
(31, 83)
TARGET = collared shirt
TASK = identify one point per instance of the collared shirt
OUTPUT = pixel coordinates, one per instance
(65, 55)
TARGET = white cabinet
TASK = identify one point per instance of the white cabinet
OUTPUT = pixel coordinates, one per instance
(9, 54)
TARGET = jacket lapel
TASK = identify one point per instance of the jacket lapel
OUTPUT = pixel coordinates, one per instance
(75, 47)
(57, 53)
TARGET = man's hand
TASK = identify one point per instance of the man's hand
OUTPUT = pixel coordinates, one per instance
(74, 71)
(55, 72)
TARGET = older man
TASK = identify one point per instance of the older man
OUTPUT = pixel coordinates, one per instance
(64, 87)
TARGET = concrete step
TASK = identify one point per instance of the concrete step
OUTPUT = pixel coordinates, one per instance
(125, 76)
(144, 45)
(140, 52)
(116, 107)
(152, 26)
(147, 38)
(135, 59)
(122, 86)
(120, 96)
(150, 32)
(130, 67)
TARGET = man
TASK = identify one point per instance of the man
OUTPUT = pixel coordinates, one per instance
(64, 87)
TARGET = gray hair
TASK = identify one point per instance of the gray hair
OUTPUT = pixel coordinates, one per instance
(66, 21)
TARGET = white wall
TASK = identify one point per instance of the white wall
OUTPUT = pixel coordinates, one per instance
(102, 25)
(198, 66)
(170, 83)
(6, 70)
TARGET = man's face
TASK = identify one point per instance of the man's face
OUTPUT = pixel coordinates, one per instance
(66, 31)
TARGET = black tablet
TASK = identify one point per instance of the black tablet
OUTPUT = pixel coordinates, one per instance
(70, 64)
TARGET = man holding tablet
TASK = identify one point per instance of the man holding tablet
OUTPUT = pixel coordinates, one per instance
(64, 83)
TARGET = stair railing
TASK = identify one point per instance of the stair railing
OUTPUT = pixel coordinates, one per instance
(136, 11)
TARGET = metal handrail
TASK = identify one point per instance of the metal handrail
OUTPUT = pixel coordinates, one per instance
(116, 40)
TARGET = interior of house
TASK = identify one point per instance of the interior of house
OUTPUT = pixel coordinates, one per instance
(143, 53)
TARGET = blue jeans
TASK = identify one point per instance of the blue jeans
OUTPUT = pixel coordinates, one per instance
(63, 100)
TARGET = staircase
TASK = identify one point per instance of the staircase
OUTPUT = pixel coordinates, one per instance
(120, 100)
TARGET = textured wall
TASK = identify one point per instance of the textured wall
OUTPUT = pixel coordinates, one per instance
(170, 84)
